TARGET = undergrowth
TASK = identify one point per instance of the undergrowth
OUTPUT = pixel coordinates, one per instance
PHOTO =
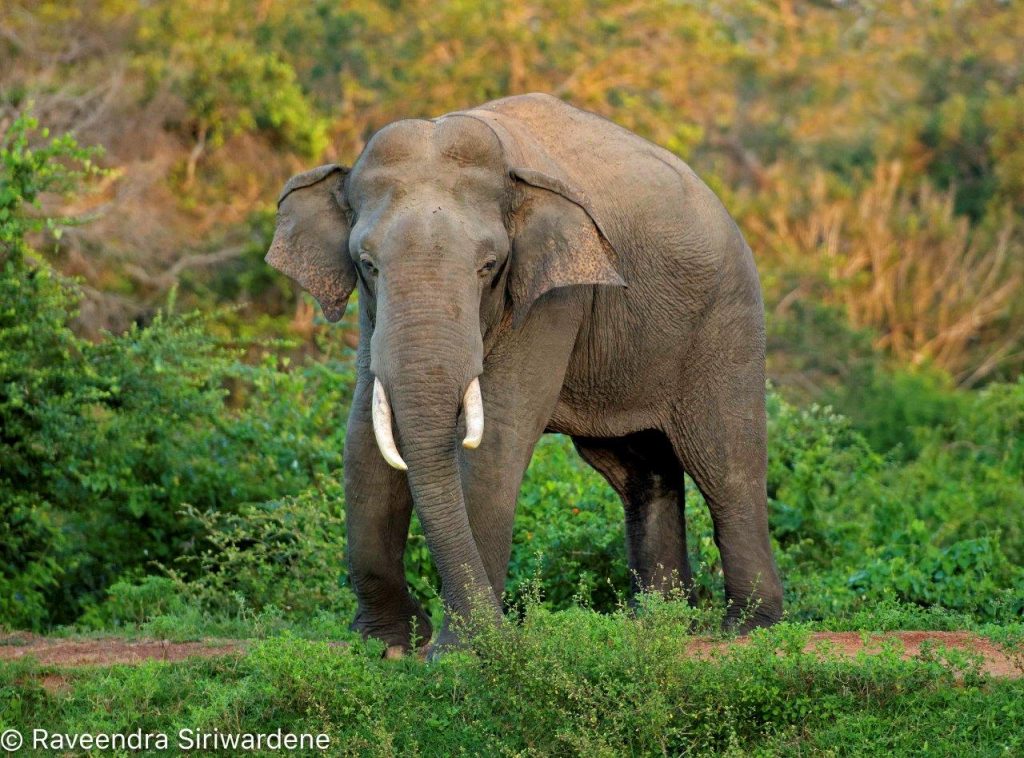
(565, 682)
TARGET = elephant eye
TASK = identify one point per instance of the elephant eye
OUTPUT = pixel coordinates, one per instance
(368, 265)
(488, 267)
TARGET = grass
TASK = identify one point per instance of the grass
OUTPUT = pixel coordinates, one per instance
(557, 683)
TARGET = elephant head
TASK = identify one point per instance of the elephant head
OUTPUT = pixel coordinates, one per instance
(447, 239)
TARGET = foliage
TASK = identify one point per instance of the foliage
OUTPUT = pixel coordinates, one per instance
(104, 443)
(569, 532)
(35, 348)
(283, 554)
(558, 683)
(855, 528)
(870, 155)
(131, 603)
(228, 84)
(30, 171)
(892, 406)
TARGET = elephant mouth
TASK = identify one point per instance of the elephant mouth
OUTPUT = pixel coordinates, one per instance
(383, 422)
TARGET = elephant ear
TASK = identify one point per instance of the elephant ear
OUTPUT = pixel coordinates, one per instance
(556, 242)
(311, 239)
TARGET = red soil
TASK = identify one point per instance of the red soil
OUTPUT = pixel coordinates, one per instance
(995, 660)
(49, 651)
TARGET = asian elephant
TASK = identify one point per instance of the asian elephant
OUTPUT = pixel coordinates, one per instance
(528, 267)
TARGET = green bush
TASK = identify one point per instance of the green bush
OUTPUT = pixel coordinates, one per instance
(38, 389)
(229, 84)
(569, 531)
(104, 443)
(972, 574)
(893, 407)
(285, 554)
(131, 603)
(558, 683)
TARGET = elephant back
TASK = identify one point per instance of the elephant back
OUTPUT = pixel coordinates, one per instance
(633, 189)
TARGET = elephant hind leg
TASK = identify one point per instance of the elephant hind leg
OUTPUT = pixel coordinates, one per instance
(719, 435)
(643, 469)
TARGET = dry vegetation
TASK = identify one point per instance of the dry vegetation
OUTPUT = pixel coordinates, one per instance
(870, 149)
(933, 288)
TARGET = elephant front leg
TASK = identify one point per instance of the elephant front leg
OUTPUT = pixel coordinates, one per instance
(520, 387)
(378, 509)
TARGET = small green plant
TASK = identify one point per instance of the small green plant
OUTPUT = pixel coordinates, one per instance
(129, 604)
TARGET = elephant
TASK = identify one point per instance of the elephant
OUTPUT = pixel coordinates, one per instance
(527, 267)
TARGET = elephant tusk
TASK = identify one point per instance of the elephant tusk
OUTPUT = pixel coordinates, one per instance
(382, 427)
(473, 404)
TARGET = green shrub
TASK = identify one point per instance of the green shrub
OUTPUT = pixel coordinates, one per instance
(569, 531)
(287, 554)
(558, 683)
(893, 407)
(817, 466)
(131, 603)
(967, 575)
(229, 84)
(38, 388)
(103, 444)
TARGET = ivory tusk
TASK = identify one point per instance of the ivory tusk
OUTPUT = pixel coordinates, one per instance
(382, 429)
(473, 404)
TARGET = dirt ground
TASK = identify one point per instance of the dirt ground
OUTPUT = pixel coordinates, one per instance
(50, 651)
(994, 660)
(72, 653)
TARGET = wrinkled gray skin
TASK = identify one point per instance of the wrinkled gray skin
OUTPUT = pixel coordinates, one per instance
(596, 287)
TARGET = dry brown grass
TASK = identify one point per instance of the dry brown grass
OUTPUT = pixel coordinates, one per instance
(903, 263)
(146, 224)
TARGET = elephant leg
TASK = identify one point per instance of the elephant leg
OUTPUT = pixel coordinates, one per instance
(520, 386)
(719, 434)
(492, 475)
(378, 508)
(643, 469)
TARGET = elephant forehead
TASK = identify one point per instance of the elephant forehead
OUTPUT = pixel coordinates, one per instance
(468, 142)
(442, 146)
(397, 143)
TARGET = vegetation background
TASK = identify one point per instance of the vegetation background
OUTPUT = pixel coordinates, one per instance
(172, 410)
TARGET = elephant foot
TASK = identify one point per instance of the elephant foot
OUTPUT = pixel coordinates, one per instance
(397, 634)
(446, 642)
(743, 621)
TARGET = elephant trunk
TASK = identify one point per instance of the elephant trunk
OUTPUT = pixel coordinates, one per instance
(426, 368)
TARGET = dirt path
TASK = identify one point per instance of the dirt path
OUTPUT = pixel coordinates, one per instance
(995, 660)
(71, 653)
(52, 651)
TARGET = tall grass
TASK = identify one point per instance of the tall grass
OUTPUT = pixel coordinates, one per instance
(899, 259)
